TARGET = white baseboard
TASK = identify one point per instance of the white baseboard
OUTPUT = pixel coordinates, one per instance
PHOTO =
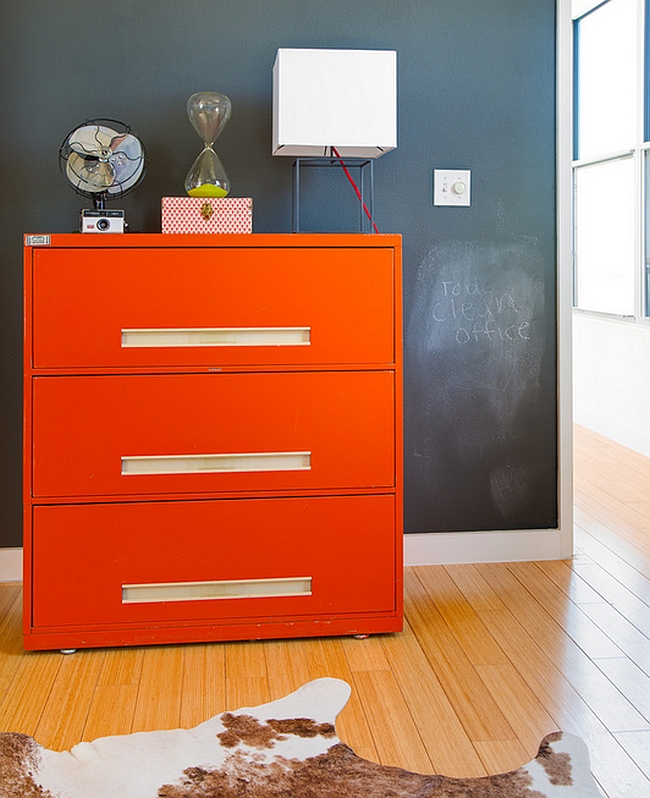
(446, 548)
(11, 565)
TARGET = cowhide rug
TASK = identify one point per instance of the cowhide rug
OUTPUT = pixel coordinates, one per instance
(287, 748)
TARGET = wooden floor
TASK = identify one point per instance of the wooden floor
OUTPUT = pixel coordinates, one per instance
(493, 657)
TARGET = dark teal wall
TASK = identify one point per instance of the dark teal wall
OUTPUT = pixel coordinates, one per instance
(476, 90)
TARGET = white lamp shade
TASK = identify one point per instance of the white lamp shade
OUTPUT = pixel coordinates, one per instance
(334, 98)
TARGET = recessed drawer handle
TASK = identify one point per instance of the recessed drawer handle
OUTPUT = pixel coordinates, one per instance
(217, 336)
(217, 463)
(207, 591)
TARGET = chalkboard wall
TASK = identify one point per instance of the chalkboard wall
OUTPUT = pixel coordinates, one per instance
(476, 90)
(479, 326)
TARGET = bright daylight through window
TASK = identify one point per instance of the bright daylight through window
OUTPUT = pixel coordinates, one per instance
(610, 152)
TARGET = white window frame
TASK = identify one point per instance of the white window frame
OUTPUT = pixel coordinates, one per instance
(579, 9)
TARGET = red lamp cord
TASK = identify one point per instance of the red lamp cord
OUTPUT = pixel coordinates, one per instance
(355, 187)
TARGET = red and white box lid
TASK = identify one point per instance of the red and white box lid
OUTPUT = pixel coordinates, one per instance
(207, 215)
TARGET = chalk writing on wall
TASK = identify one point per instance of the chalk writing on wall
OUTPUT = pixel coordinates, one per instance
(479, 311)
(479, 356)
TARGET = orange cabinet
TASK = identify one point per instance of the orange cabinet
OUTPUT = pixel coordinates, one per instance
(212, 438)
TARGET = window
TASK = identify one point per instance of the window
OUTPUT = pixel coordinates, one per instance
(604, 236)
(610, 151)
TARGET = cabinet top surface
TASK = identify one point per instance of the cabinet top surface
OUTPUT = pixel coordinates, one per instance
(167, 240)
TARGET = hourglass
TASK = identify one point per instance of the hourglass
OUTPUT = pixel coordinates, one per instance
(208, 112)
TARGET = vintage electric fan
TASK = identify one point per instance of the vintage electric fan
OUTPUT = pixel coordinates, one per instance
(103, 160)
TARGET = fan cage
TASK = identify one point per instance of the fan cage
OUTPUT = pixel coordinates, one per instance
(116, 190)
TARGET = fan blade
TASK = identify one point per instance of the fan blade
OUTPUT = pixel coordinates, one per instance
(89, 174)
(127, 160)
(91, 139)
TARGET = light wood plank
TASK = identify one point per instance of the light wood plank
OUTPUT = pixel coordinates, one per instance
(624, 631)
(158, 705)
(566, 578)
(247, 681)
(539, 671)
(447, 743)
(11, 650)
(396, 736)
(111, 711)
(477, 592)
(327, 658)
(204, 683)
(287, 665)
(632, 682)
(500, 756)
(65, 713)
(10, 593)
(461, 617)
(524, 711)
(637, 744)
(587, 635)
(478, 711)
(247, 691)
(112, 708)
(122, 666)
(623, 587)
(365, 654)
(29, 690)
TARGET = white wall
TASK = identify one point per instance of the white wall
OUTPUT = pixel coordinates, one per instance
(611, 378)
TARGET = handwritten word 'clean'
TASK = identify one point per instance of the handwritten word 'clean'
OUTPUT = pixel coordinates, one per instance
(470, 311)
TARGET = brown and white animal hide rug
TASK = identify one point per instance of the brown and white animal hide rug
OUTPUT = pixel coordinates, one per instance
(287, 748)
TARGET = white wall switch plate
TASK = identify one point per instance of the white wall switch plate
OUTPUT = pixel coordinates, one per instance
(452, 187)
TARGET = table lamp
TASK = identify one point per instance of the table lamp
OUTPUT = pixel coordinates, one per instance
(341, 98)
(332, 105)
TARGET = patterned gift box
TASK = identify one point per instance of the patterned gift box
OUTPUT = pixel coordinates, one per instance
(207, 215)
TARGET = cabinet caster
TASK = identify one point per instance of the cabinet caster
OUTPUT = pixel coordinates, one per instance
(361, 637)
(67, 650)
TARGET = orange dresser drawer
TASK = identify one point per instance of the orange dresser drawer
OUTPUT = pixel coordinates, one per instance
(147, 307)
(113, 435)
(195, 562)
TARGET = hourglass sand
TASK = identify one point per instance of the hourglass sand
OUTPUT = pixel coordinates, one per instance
(208, 112)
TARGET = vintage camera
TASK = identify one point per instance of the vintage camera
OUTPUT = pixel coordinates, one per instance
(93, 221)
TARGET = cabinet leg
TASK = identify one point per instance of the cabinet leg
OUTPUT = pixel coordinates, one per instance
(68, 650)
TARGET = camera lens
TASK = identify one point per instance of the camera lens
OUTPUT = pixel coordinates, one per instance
(103, 224)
